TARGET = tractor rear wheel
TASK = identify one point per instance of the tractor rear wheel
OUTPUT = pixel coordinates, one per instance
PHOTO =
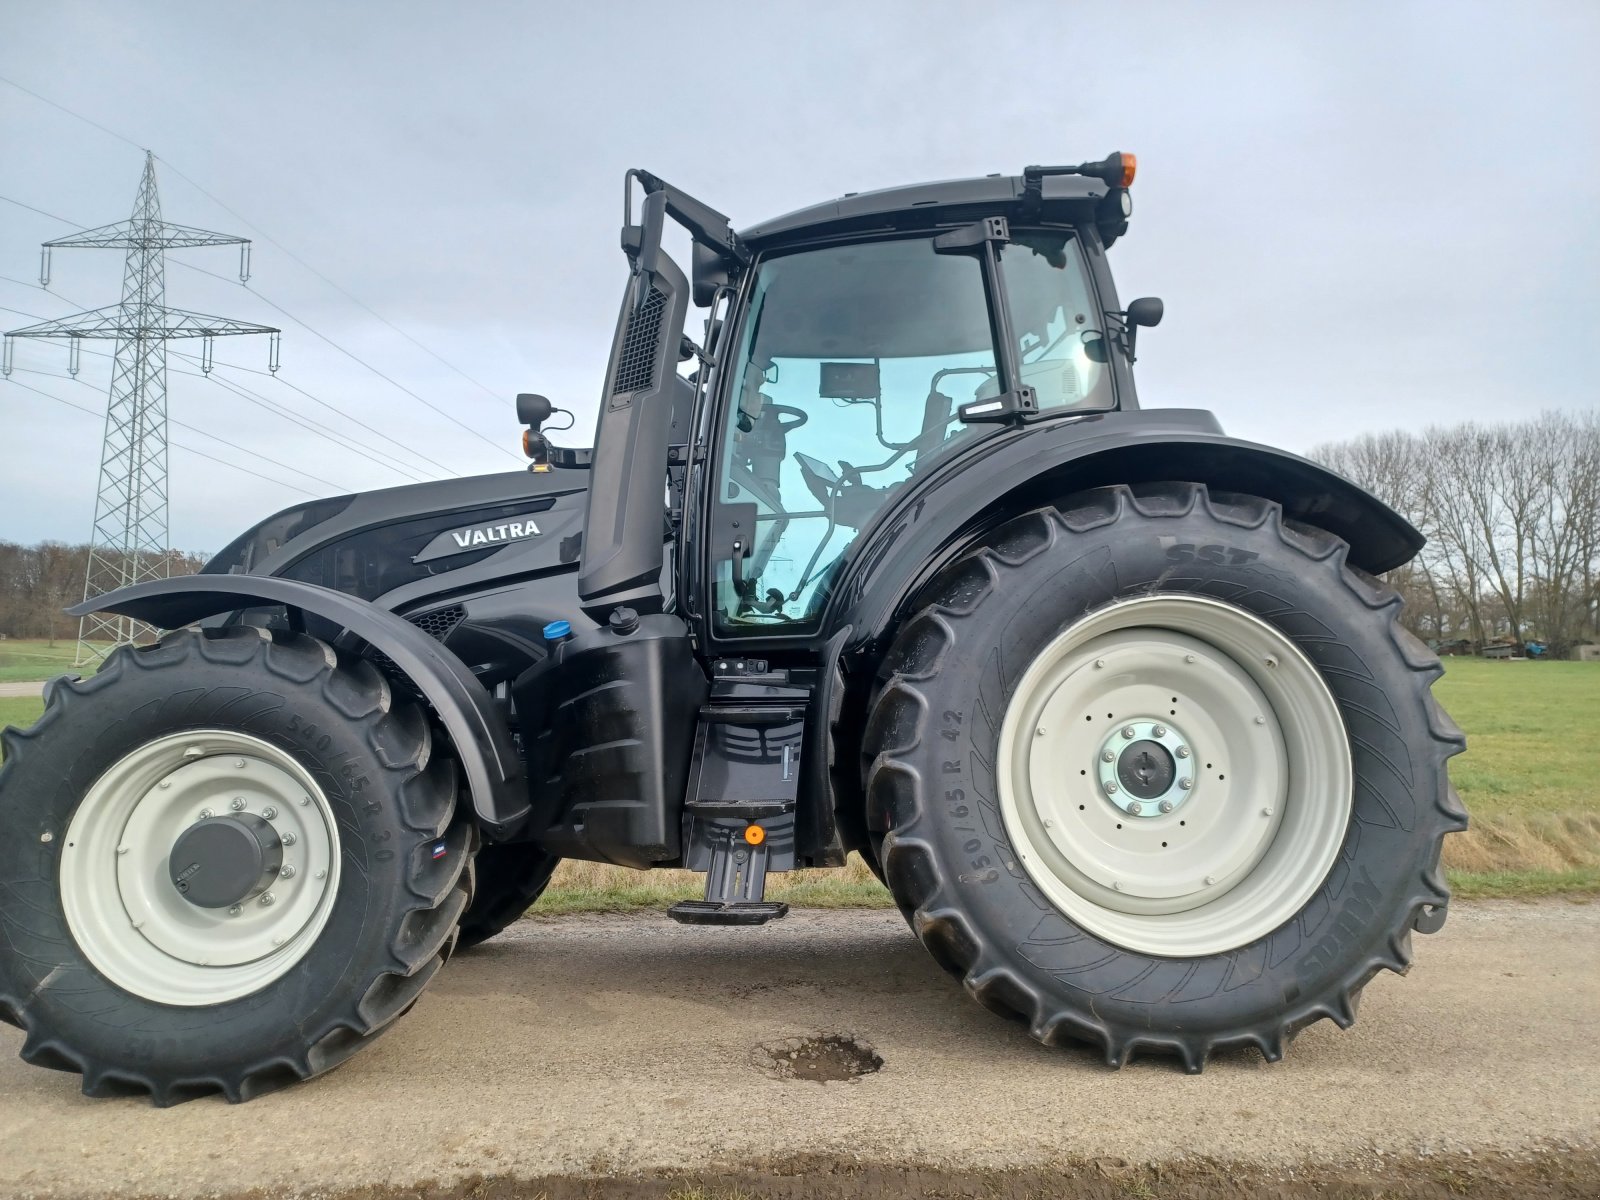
(231, 860)
(1158, 770)
(510, 878)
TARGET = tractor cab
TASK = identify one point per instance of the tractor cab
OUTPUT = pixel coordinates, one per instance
(850, 350)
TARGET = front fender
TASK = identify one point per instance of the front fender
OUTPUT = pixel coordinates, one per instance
(1040, 464)
(469, 714)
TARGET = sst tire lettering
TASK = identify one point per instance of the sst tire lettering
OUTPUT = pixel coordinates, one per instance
(1184, 552)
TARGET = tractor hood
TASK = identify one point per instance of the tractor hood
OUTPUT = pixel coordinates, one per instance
(393, 546)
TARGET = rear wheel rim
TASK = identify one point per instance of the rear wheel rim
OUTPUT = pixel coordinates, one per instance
(122, 907)
(1174, 775)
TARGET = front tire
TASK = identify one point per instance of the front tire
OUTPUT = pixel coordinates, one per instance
(134, 948)
(1158, 770)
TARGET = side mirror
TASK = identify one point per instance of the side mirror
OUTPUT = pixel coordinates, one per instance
(1147, 311)
(533, 410)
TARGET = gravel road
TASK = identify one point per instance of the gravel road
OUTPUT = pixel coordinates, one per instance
(20, 691)
(629, 1044)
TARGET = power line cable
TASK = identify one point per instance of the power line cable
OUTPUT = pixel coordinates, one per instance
(309, 329)
(295, 258)
(70, 113)
(343, 441)
(171, 420)
(354, 357)
(176, 444)
(356, 300)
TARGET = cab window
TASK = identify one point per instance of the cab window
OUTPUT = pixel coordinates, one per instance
(853, 363)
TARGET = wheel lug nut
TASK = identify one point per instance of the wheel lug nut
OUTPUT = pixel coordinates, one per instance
(1159, 731)
(1186, 784)
(1166, 806)
(1135, 808)
(1261, 720)
(1039, 732)
(1128, 732)
(237, 804)
(1188, 658)
(288, 839)
(286, 873)
(266, 899)
(206, 814)
(1111, 785)
(1210, 879)
(164, 784)
(1182, 752)
(1108, 756)
(238, 764)
(236, 910)
(1266, 812)
(269, 813)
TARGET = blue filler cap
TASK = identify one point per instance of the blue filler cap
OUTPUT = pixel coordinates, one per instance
(557, 630)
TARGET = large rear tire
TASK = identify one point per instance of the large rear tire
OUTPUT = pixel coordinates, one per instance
(134, 947)
(1158, 770)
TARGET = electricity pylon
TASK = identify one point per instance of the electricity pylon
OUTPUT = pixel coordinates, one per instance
(129, 543)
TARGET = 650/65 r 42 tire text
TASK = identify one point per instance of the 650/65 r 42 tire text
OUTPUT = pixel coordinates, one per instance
(1156, 769)
(229, 861)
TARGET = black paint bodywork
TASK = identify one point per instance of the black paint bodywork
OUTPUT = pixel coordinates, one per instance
(650, 741)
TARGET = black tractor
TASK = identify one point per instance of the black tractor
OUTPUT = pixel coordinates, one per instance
(890, 561)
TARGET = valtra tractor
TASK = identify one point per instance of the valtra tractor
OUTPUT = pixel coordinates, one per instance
(892, 560)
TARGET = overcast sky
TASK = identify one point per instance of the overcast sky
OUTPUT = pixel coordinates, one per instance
(1361, 216)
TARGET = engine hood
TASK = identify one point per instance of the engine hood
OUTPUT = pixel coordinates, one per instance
(392, 546)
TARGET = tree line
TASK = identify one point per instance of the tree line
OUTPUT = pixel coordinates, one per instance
(37, 582)
(1512, 516)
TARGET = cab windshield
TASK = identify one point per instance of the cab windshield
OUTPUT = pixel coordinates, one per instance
(853, 363)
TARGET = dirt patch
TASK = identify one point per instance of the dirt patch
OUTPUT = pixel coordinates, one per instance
(1555, 1173)
(822, 1058)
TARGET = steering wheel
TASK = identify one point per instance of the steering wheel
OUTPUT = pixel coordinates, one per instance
(819, 476)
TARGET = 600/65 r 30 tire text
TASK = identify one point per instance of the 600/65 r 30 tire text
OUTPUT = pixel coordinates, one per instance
(230, 860)
(1157, 770)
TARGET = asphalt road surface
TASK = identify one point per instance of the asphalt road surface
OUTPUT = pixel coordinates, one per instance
(629, 1044)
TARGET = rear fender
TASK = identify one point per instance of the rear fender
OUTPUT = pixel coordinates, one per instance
(467, 711)
(938, 520)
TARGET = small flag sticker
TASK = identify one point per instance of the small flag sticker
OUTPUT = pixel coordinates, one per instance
(439, 850)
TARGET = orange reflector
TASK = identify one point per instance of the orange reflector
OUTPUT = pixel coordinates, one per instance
(754, 834)
(527, 442)
(1130, 164)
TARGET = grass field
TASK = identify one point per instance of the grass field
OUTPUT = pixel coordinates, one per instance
(1526, 780)
(22, 660)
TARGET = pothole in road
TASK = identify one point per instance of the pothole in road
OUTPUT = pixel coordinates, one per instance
(823, 1057)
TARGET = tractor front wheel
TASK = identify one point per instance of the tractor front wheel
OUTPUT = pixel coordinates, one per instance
(231, 860)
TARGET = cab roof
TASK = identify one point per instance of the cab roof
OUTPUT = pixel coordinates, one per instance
(1064, 198)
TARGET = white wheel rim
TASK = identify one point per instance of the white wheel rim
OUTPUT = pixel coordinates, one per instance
(121, 905)
(1239, 712)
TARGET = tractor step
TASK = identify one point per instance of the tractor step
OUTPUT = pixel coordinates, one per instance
(739, 912)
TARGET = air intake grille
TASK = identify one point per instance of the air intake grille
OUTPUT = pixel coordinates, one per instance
(636, 367)
(438, 623)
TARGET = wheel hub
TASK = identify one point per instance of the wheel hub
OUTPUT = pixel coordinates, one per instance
(223, 861)
(200, 867)
(1146, 768)
(1174, 775)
